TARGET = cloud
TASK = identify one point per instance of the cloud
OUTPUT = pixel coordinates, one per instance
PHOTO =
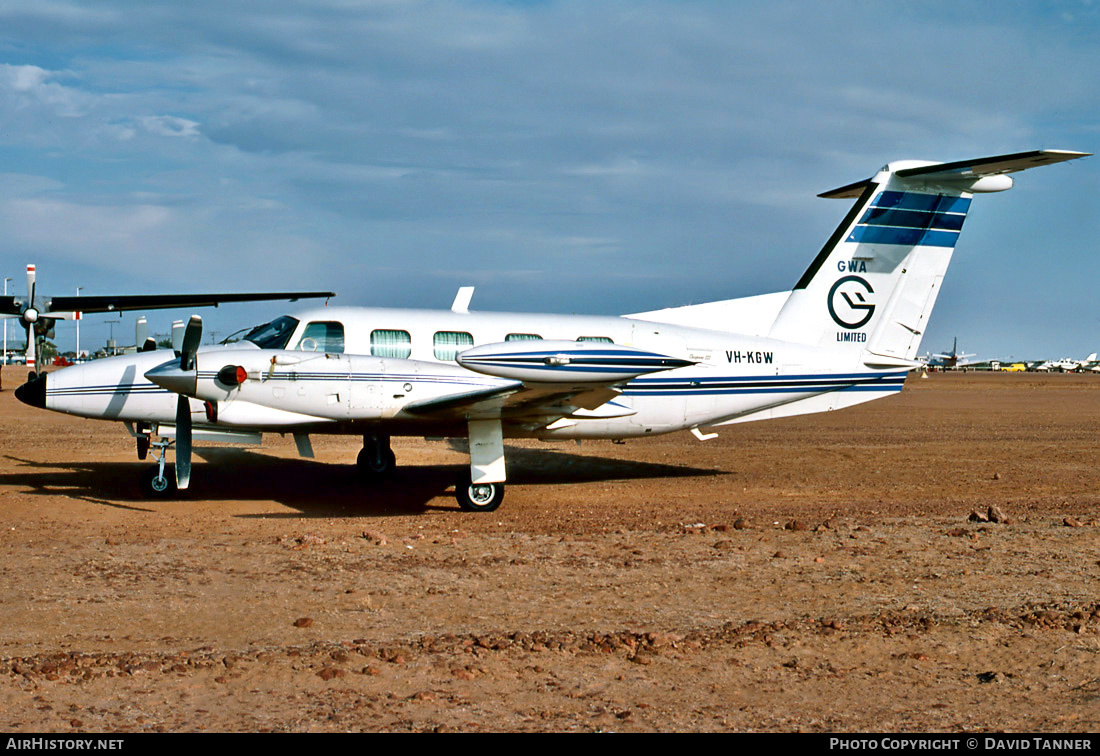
(680, 143)
(170, 126)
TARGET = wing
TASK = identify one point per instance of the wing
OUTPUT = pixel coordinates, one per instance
(115, 303)
(524, 404)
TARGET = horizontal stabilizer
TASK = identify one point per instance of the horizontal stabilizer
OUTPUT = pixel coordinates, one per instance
(991, 166)
(966, 170)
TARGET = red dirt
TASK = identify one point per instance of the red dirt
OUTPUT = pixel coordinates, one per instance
(816, 573)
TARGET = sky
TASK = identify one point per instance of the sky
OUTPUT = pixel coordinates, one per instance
(595, 157)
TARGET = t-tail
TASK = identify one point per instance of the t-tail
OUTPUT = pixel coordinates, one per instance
(872, 287)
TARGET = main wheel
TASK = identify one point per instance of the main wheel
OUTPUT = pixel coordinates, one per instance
(157, 486)
(371, 467)
(478, 497)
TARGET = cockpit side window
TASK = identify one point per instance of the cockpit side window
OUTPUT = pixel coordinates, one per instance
(324, 336)
(273, 335)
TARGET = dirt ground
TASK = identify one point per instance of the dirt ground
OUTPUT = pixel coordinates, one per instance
(817, 573)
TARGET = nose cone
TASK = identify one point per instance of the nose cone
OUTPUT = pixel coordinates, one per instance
(170, 376)
(33, 392)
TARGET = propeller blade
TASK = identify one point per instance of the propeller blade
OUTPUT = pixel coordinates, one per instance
(31, 338)
(183, 442)
(30, 286)
(30, 353)
(192, 337)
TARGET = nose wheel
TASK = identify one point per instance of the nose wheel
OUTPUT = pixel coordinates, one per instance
(157, 483)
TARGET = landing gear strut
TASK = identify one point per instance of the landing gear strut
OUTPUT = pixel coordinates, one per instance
(486, 467)
(376, 461)
(158, 482)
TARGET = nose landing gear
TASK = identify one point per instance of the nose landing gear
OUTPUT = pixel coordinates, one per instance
(159, 481)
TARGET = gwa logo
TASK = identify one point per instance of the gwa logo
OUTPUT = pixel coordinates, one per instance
(849, 302)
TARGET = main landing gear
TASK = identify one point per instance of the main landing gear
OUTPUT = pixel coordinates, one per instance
(376, 461)
(481, 489)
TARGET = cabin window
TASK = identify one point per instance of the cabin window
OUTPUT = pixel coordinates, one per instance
(394, 344)
(601, 339)
(323, 337)
(447, 344)
(523, 337)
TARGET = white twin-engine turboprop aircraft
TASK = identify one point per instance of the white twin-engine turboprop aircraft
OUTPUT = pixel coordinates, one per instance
(847, 333)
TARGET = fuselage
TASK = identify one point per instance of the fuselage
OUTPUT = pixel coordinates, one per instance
(349, 357)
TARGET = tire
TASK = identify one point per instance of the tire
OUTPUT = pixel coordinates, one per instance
(156, 487)
(478, 497)
(368, 466)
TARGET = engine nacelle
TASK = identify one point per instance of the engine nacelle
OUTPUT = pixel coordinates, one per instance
(566, 361)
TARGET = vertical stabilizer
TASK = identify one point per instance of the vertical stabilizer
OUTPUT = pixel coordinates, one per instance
(872, 287)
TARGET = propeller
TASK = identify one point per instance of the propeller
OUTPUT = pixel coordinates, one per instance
(38, 323)
(30, 317)
(192, 336)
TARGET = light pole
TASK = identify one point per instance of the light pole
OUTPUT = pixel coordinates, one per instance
(77, 317)
(6, 325)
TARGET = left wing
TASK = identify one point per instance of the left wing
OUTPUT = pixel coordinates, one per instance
(523, 403)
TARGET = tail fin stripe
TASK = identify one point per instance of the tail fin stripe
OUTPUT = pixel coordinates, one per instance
(921, 201)
(877, 216)
(909, 237)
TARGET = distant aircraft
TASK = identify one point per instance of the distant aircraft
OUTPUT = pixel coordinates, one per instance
(847, 333)
(954, 359)
(1066, 364)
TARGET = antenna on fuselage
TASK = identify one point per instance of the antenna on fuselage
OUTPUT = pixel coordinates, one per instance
(462, 300)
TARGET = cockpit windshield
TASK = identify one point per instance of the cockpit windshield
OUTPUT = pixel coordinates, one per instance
(273, 335)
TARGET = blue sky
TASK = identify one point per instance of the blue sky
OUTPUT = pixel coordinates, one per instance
(561, 156)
